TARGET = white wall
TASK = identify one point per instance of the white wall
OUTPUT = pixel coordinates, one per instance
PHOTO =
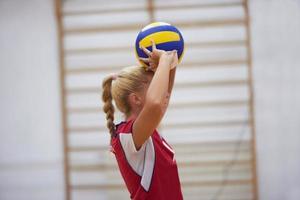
(30, 145)
(276, 60)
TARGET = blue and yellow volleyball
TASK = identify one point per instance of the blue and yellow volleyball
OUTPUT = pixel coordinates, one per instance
(165, 36)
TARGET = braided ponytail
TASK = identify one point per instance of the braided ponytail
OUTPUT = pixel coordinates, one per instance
(129, 80)
(108, 107)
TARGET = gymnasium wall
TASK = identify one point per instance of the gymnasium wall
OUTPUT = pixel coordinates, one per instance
(276, 61)
(31, 166)
(30, 129)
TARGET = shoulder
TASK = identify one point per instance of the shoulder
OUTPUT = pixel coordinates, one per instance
(124, 127)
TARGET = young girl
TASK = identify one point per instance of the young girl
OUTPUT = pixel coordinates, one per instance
(145, 159)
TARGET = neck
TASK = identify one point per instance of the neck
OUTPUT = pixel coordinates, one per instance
(131, 116)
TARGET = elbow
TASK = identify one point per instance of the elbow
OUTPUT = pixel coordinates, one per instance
(155, 106)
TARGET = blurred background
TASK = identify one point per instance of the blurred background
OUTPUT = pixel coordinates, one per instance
(234, 120)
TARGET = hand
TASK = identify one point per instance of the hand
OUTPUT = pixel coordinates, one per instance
(171, 57)
(153, 57)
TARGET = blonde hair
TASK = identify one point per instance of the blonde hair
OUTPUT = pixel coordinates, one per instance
(118, 88)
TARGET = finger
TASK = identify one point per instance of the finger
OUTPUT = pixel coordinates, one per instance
(175, 53)
(146, 60)
(153, 45)
(149, 68)
(146, 51)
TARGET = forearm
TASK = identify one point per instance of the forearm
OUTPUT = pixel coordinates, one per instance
(171, 80)
(159, 85)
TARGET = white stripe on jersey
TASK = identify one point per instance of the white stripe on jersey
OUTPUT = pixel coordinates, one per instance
(141, 161)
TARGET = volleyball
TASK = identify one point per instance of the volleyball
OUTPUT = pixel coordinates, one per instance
(165, 36)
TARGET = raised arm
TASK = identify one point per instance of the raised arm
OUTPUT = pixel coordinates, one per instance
(157, 93)
(171, 79)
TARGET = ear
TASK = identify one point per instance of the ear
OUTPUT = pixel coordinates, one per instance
(135, 100)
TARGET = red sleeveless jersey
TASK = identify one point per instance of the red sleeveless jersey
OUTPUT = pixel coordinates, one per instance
(151, 172)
